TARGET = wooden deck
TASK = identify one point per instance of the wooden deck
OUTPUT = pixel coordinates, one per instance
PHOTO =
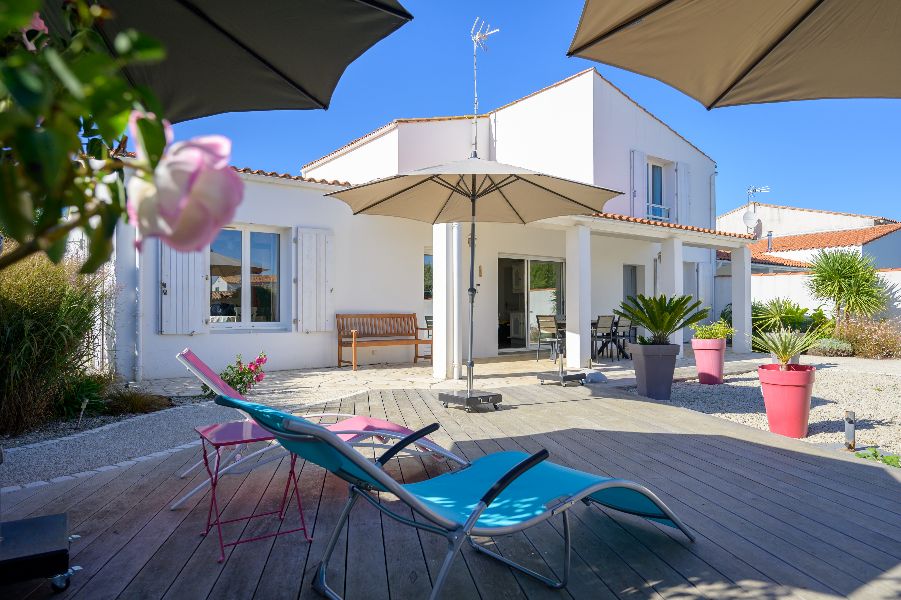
(775, 518)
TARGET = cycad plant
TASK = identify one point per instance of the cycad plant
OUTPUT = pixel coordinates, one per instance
(849, 281)
(661, 315)
(784, 344)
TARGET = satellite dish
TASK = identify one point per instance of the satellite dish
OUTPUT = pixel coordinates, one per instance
(749, 219)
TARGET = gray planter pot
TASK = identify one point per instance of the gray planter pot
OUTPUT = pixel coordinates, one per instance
(654, 367)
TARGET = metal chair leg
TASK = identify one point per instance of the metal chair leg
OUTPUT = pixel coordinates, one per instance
(454, 543)
(556, 584)
(319, 582)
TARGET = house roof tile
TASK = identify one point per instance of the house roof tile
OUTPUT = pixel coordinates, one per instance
(825, 239)
(628, 219)
(277, 175)
(762, 258)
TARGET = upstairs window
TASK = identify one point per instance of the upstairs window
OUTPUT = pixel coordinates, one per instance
(657, 211)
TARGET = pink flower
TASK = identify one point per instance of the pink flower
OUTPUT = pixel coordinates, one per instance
(193, 195)
(259, 377)
(37, 24)
(252, 366)
(262, 359)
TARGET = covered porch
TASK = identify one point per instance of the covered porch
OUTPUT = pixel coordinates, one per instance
(597, 262)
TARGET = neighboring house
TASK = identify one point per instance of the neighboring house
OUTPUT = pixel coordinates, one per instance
(793, 236)
(219, 284)
(296, 257)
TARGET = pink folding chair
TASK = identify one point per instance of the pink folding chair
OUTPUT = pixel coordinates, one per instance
(356, 430)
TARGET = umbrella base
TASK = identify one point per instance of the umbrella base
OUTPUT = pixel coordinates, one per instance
(469, 400)
(562, 378)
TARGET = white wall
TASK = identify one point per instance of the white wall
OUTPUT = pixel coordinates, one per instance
(886, 251)
(550, 132)
(807, 254)
(794, 285)
(784, 220)
(378, 263)
(373, 158)
(608, 255)
(428, 143)
(619, 126)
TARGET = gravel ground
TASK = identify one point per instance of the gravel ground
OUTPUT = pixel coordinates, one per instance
(874, 397)
(43, 454)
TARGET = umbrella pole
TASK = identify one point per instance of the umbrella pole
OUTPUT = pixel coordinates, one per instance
(472, 291)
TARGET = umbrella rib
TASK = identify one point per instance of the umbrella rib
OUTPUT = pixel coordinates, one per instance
(504, 196)
(387, 9)
(567, 198)
(769, 50)
(453, 188)
(496, 187)
(205, 18)
(394, 195)
(443, 206)
(613, 31)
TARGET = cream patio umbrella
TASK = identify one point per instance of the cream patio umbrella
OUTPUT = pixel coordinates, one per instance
(731, 52)
(475, 190)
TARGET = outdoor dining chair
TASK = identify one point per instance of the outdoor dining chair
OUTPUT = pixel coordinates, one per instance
(358, 430)
(548, 334)
(498, 494)
(602, 335)
(624, 332)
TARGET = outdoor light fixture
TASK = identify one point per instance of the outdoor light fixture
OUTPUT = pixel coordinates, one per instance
(850, 443)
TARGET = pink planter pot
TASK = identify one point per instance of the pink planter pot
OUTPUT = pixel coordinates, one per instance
(710, 356)
(786, 395)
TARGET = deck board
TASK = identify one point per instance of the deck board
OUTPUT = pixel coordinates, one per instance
(775, 518)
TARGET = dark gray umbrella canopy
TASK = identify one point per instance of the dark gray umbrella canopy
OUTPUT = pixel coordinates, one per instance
(234, 55)
(730, 52)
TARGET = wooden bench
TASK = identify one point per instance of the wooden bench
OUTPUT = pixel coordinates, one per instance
(378, 329)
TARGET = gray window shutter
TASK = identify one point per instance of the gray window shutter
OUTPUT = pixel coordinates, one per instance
(682, 204)
(314, 276)
(184, 293)
(639, 184)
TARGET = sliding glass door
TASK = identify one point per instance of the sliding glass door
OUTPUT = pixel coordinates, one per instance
(545, 293)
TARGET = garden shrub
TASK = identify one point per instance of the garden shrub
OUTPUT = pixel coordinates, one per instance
(47, 315)
(126, 400)
(831, 347)
(871, 338)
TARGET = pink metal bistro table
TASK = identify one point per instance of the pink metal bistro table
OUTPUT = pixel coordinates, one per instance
(234, 433)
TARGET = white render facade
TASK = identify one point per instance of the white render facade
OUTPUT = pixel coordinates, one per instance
(329, 261)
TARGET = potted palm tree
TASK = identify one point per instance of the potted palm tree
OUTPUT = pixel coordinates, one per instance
(709, 345)
(787, 387)
(654, 357)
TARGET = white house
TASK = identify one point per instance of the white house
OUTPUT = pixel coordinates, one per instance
(297, 257)
(789, 237)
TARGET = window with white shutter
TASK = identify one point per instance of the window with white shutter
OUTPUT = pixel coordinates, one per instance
(183, 291)
(683, 193)
(314, 276)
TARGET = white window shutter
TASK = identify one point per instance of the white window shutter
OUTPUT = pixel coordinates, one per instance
(639, 184)
(184, 292)
(314, 277)
(683, 193)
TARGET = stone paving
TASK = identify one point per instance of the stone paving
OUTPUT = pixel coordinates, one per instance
(305, 386)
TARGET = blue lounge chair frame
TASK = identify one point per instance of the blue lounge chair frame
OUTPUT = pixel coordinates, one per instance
(515, 492)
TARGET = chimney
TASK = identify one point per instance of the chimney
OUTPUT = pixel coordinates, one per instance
(769, 241)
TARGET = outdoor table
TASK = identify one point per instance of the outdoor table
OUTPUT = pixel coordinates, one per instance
(236, 433)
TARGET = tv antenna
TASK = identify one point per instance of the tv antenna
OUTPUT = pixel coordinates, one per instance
(759, 189)
(479, 36)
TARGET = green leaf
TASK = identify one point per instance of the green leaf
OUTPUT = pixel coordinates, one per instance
(97, 149)
(57, 250)
(16, 208)
(134, 46)
(43, 153)
(26, 87)
(16, 14)
(151, 137)
(66, 76)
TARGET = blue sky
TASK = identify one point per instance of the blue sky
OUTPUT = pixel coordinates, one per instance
(830, 154)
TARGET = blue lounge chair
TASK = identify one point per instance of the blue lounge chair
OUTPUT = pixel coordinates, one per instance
(497, 494)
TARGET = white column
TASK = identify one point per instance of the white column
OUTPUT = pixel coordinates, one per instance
(578, 297)
(445, 329)
(671, 273)
(741, 299)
